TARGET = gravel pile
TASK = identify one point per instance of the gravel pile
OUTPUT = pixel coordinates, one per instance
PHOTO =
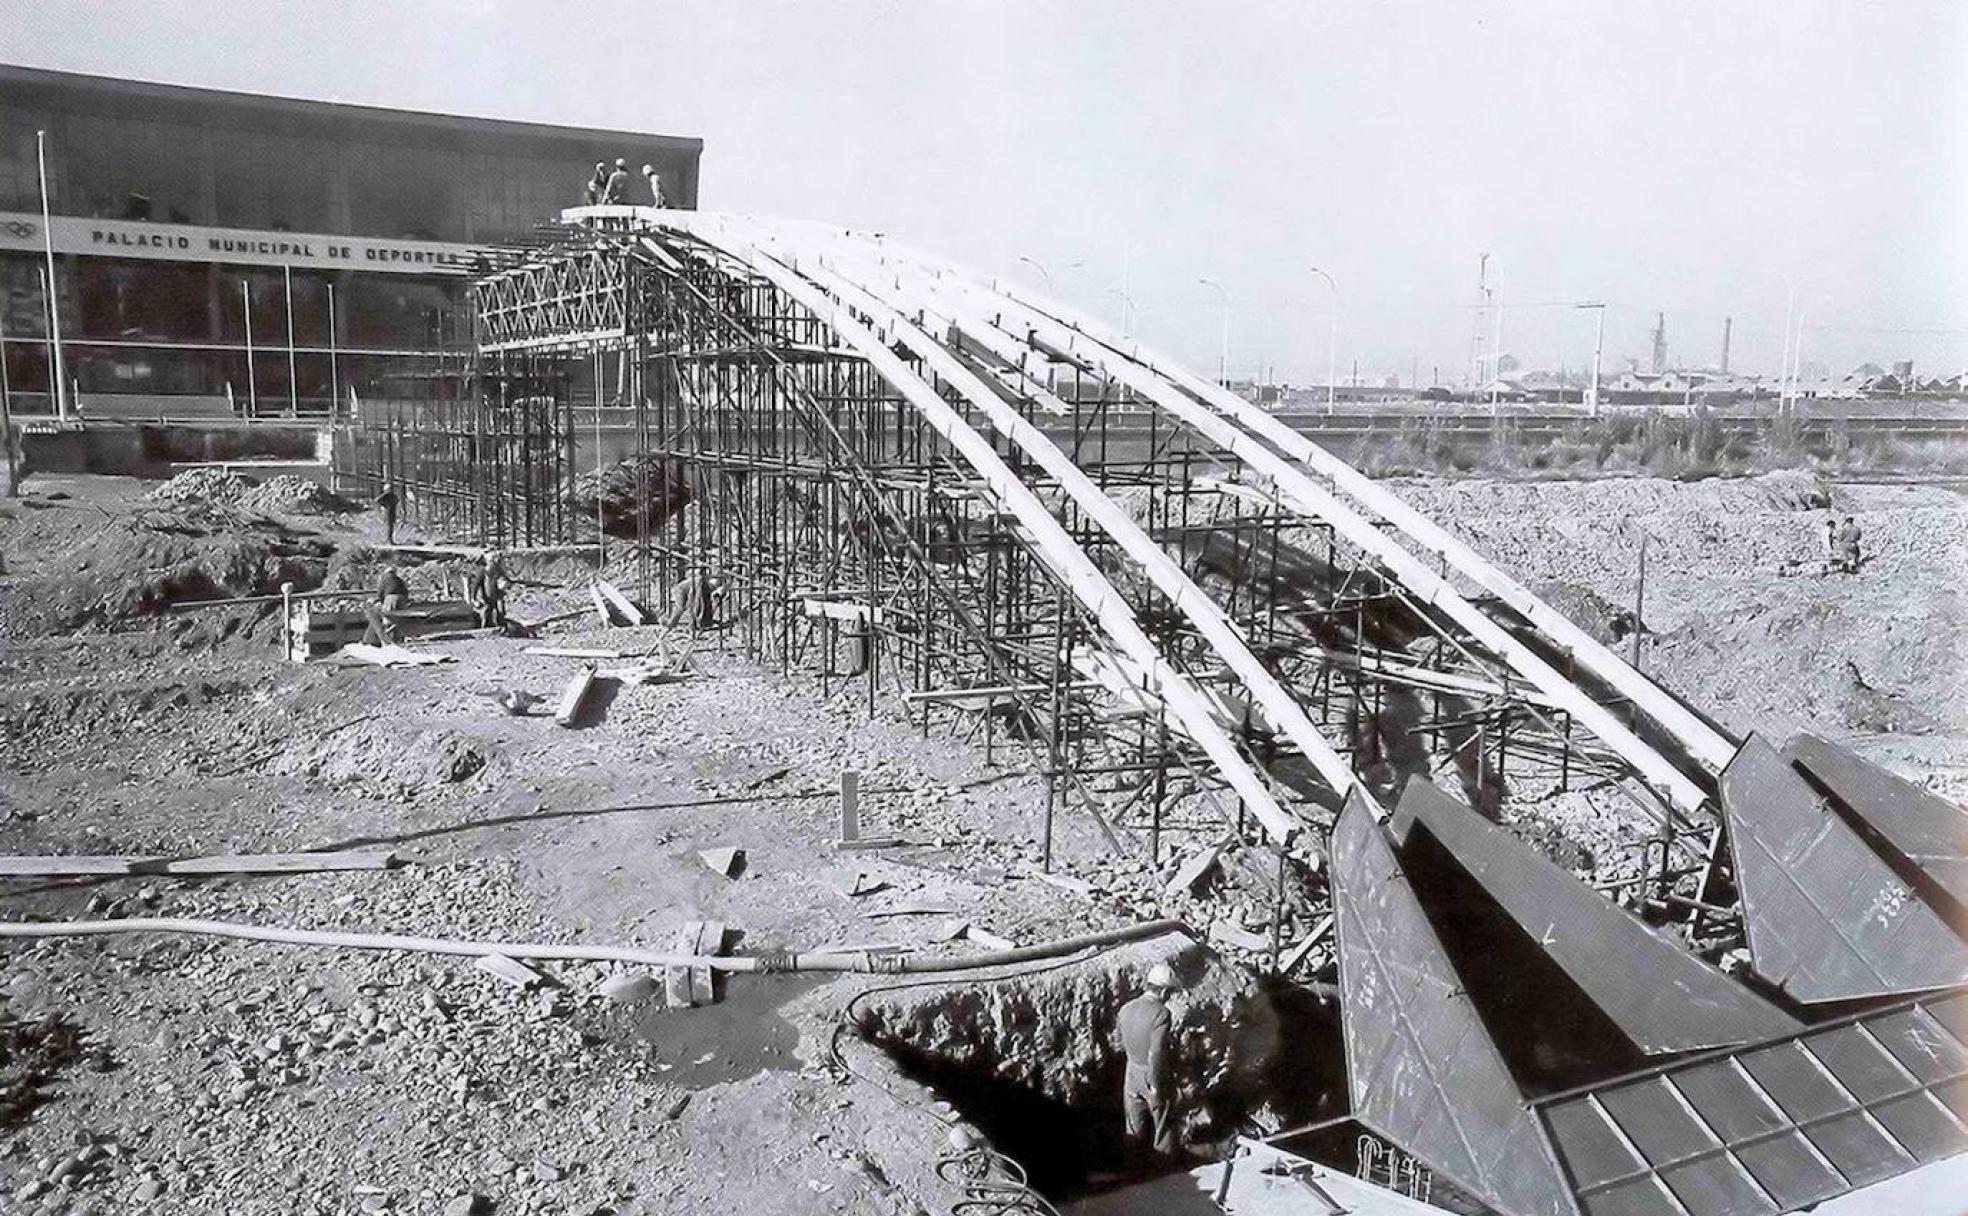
(213, 486)
(287, 494)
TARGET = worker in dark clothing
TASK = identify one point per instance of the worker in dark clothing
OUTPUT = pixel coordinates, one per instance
(597, 185)
(391, 597)
(655, 185)
(1146, 1091)
(386, 501)
(1848, 545)
(485, 592)
(616, 192)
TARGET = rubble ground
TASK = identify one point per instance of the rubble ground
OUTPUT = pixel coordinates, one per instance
(187, 1074)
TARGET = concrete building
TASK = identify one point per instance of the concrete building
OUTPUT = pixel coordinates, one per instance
(219, 251)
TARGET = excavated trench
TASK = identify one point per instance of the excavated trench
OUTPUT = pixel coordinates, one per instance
(1031, 1058)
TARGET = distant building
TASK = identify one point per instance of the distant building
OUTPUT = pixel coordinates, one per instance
(181, 216)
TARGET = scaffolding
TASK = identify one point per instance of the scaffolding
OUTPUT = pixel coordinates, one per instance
(803, 500)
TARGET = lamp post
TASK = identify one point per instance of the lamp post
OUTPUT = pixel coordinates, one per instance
(293, 381)
(48, 247)
(334, 371)
(1332, 342)
(1043, 272)
(1223, 344)
(252, 385)
(1598, 345)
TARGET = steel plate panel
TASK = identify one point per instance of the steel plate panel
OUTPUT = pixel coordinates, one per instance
(1790, 1171)
(1857, 1149)
(1591, 1150)
(1923, 1126)
(1654, 1119)
(1923, 827)
(1827, 919)
(1919, 1043)
(1643, 1196)
(1860, 1065)
(1717, 1186)
(1662, 997)
(1727, 1101)
(1794, 1081)
(1436, 1085)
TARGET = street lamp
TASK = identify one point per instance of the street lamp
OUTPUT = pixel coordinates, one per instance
(1127, 309)
(1332, 341)
(1043, 272)
(1223, 346)
(1598, 345)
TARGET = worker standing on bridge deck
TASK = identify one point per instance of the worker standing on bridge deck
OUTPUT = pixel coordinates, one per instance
(1146, 1096)
(616, 192)
(655, 185)
(597, 185)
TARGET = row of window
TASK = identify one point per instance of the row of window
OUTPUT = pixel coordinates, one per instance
(184, 302)
(170, 172)
(219, 373)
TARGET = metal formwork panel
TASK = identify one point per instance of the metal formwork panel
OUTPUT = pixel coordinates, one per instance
(1421, 1066)
(1827, 918)
(1662, 997)
(1925, 828)
(1769, 1128)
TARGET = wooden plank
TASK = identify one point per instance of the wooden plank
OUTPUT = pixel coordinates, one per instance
(619, 602)
(518, 974)
(676, 980)
(57, 867)
(1296, 954)
(394, 656)
(1194, 870)
(569, 709)
(987, 939)
(710, 942)
(601, 607)
(275, 863)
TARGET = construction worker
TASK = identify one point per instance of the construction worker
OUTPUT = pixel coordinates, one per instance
(485, 591)
(616, 192)
(386, 502)
(655, 185)
(597, 185)
(1848, 545)
(391, 597)
(1831, 543)
(1146, 1092)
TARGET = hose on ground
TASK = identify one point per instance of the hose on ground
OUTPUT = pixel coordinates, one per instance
(548, 951)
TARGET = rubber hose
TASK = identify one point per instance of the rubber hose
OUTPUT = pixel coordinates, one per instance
(545, 950)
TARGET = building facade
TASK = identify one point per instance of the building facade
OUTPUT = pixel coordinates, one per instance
(219, 251)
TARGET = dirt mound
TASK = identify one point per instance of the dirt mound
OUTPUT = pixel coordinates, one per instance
(139, 564)
(291, 495)
(1052, 1035)
(1796, 490)
(612, 492)
(212, 486)
(381, 755)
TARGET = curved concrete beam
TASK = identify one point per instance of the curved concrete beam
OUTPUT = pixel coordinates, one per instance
(1192, 711)
(1302, 494)
(1283, 713)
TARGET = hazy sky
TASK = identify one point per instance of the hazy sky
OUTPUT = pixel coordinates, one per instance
(1697, 158)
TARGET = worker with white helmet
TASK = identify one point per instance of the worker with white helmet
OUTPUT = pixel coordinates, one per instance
(655, 185)
(1147, 1091)
(616, 191)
